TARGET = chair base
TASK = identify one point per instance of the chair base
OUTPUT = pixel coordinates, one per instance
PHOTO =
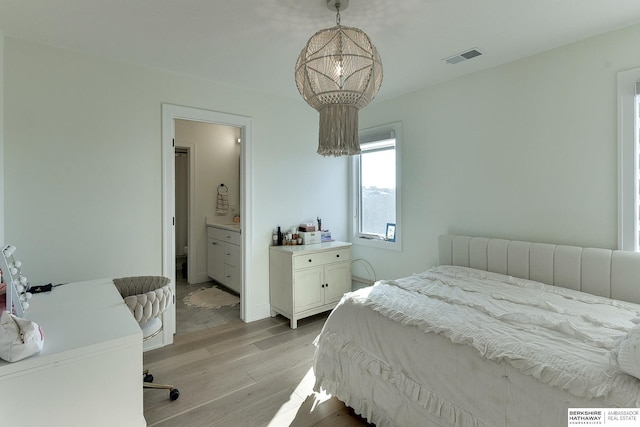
(174, 393)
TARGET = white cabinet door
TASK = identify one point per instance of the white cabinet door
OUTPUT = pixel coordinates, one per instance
(337, 281)
(308, 289)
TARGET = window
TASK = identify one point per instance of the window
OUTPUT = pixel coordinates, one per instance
(628, 160)
(375, 189)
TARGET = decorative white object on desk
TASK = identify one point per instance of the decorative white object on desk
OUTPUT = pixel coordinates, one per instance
(17, 285)
(19, 338)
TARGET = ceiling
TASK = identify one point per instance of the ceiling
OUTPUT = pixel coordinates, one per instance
(255, 43)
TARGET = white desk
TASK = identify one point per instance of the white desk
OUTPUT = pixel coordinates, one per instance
(89, 372)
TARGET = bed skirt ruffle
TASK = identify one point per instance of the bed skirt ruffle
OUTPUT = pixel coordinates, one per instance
(335, 375)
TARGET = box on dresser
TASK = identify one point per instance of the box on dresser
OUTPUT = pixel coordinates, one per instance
(306, 227)
(310, 237)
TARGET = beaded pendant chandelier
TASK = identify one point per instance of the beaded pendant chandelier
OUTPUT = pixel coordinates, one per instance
(339, 72)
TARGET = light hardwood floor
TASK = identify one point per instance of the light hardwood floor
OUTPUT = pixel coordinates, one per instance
(239, 374)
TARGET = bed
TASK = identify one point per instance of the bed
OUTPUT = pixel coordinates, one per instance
(500, 333)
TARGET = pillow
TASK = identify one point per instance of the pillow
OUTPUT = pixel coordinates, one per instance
(629, 353)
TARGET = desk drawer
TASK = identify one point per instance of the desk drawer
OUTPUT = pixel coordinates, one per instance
(321, 258)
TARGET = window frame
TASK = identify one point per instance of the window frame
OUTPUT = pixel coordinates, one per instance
(371, 135)
(628, 173)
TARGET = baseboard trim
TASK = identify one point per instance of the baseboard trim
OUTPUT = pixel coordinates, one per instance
(199, 278)
(259, 312)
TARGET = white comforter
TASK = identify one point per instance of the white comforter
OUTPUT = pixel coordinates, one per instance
(564, 338)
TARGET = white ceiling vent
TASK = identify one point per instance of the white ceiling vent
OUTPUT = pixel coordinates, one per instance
(471, 53)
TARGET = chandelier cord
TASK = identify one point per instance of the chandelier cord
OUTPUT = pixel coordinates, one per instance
(338, 13)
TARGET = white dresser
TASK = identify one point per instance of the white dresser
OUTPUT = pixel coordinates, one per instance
(308, 279)
(89, 372)
(223, 255)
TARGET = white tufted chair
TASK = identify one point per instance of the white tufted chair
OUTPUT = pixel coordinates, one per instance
(147, 298)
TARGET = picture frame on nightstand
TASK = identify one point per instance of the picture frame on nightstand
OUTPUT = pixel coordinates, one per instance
(390, 235)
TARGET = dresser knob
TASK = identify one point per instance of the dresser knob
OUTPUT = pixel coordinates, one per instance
(338, 256)
(309, 259)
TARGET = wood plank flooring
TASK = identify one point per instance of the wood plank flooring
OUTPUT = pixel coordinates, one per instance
(243, 374)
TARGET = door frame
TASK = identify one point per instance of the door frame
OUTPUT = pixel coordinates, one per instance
(191, 205)
(170, 113)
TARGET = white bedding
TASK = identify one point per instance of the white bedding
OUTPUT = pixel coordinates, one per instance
(471, 350)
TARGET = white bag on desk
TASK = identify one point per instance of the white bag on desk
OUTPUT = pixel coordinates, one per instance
(19, 338)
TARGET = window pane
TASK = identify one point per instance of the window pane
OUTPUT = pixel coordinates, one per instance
(628, 150)
(637, 172)
(378, 191)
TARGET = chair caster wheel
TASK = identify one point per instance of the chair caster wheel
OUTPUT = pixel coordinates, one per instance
(174, 394)
(148, 378)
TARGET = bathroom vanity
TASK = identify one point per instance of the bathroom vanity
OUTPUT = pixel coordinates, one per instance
(224, 254)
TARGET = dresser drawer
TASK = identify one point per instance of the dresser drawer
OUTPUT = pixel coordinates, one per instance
(232, 237)
(321, 258)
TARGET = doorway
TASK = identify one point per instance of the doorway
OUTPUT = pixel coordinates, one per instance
(207, 158)
(183, 182)
(171, 113)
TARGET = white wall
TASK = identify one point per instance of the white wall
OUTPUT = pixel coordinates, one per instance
(83, 164)
(524, 151)
(2, 156)
(217, 161)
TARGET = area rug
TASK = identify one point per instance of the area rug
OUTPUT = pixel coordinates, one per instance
(210, 298)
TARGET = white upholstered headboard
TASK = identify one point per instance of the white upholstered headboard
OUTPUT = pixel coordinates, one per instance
(605, 272)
